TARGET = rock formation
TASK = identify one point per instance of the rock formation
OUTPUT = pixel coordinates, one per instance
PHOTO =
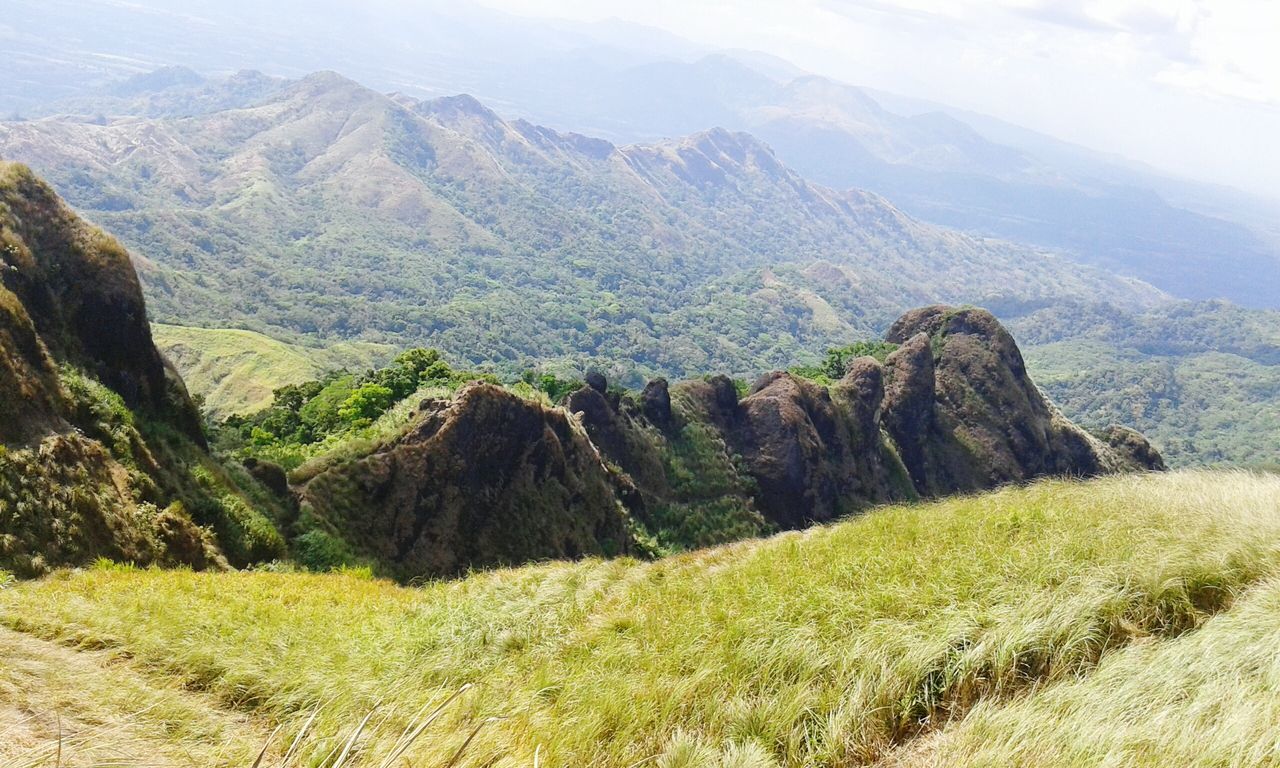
(485, 479)
(80, 384)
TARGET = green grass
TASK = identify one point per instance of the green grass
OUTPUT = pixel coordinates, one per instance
(235, 371)
(1129, 618)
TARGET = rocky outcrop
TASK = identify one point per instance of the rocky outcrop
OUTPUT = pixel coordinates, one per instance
(965, 415)
(951, 409)
(485, 479)
(806, 452)
(81, 385)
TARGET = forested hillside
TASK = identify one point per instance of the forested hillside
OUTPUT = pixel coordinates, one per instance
(334, 212)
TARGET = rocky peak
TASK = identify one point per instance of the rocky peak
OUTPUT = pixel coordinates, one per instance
(486, 479)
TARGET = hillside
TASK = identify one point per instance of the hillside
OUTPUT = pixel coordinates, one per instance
(333, 212)
(1200, 379)
(236, 371)
(1127, 620)
(419, 470)
(101, 450)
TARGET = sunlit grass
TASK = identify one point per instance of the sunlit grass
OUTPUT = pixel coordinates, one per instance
(842, 645)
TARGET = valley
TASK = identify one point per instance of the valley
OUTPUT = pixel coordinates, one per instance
(489, 384)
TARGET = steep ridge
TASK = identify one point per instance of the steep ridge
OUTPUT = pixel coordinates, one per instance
(489, 478)
(101, 451)
(334, 212)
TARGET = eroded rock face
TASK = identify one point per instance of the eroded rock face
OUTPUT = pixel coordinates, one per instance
(80, 481)
(489, 479)
(965, 415)
(809, 454)
(619, 438)
(655, 403)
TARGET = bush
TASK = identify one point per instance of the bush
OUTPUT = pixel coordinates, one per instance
(318, 550)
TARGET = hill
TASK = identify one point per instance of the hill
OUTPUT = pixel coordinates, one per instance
(419, 470)
(101, 450)
(1200, 379)
(234, 371)
(333, 212)
(1128, 619)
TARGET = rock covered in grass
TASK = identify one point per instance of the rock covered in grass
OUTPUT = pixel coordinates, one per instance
(965, 415)
(101, 449)
(489, 479)
(813, 455)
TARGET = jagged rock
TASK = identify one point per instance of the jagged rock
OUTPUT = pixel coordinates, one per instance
(862, 389)
(724, 393)
(909, 400)
(621, 441)
(812, 455)
(655, 403)
(489, 479)
(966, 416)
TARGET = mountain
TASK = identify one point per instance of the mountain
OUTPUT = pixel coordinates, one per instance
(627, 83)
(476, 475)
(333, 212)
(933, 163)
(101, 451)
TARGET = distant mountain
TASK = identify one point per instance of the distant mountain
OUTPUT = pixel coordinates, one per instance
(938, 167)
(627, 83)
(333, 212)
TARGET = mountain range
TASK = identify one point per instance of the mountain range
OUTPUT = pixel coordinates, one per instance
(332, 211)
(320, 212)
(631, 84)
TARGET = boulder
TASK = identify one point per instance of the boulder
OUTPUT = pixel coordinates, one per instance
(655, 403)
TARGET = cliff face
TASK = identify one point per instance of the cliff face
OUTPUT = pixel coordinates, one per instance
(489, 478)
(485, 479)
(965, 415)
(951, 410)
(80, 384)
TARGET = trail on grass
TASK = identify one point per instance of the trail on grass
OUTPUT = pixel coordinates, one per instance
(68, 707)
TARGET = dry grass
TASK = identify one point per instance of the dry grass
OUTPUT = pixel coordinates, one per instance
(1049, 616)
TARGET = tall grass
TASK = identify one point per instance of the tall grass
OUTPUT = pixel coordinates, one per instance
(842, 645)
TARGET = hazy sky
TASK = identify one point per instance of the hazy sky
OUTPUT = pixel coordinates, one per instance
(1192, 86)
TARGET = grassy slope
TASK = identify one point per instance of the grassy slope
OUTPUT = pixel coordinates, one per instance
(858, 642)
(235, 370)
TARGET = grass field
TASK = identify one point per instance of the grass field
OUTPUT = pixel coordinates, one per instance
(235, 371)
(1130, 621)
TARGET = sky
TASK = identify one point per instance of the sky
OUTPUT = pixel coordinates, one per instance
(1188, 86)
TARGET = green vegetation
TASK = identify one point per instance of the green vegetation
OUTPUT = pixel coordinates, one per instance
(836, 363)
(449, 236)
(236, 371)
(1126, 619)
(1200, 380)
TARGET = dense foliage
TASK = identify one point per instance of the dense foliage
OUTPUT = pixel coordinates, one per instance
(1201, 380)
